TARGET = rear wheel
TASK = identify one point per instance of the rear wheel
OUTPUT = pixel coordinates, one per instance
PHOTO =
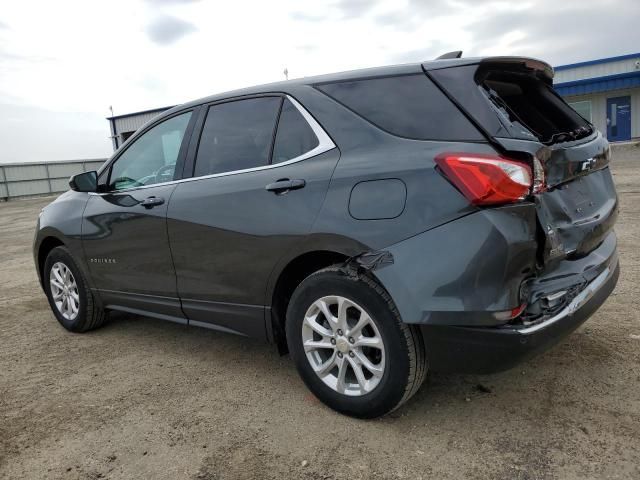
(69, 296)
(350, 346)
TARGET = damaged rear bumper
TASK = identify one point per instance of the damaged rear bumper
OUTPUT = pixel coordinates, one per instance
(493, 349)
(451, 281)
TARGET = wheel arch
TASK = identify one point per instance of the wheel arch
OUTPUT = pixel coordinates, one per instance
(47, 244)
(289, 277)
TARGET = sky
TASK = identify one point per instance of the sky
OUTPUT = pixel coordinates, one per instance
(64, 62)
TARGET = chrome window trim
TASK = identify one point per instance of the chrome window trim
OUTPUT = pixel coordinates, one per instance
(324, 145)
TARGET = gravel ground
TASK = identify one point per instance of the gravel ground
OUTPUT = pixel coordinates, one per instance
(141, 398)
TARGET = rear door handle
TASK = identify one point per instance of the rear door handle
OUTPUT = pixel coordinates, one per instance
(284, 185)
(151, 202)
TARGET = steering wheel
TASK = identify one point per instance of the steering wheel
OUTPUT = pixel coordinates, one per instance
(134, 183)
(164, 171)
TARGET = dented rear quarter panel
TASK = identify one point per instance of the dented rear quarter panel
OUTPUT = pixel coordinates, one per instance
(460, 272)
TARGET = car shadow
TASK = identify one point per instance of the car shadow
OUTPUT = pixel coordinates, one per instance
(529, 390)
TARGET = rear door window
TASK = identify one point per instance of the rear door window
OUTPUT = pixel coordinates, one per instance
(237, 135)
(408, 106)
(295, 136)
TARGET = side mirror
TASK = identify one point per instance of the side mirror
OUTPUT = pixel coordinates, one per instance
(84, 182)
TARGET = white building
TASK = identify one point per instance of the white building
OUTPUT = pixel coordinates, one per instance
(123, 126)
(606, 92)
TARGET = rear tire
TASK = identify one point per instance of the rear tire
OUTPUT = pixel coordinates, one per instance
(69, 295)
(364, 362)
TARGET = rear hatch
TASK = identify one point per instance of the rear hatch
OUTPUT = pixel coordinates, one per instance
(511, 100)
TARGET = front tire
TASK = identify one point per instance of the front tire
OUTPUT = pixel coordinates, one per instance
(69, 295)
(350, 346)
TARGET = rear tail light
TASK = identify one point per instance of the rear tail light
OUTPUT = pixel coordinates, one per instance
(487, 179)
(510, 314)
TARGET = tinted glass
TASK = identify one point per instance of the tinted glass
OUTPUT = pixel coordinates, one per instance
(294, 136)
(408, 106)
(152, 157)
(237, 135)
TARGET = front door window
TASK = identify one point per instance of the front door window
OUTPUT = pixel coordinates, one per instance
(152, 157)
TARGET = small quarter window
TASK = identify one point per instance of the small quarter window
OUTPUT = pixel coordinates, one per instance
(295, 137)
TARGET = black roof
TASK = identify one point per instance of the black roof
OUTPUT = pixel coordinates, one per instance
(407, 68)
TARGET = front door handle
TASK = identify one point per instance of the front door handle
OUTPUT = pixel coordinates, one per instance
(284, 185)
(151, 202)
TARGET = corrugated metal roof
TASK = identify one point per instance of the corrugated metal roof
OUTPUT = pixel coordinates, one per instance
(132, 114)
(599, 84)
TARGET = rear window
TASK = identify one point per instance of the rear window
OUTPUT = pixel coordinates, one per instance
(408, 106)
(532, 104)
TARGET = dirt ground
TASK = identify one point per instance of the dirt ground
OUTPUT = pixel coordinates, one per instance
(142, 398)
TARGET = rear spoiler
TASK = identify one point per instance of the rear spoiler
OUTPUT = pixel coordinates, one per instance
(451, 60)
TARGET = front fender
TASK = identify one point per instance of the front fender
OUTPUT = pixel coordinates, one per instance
(60, 222)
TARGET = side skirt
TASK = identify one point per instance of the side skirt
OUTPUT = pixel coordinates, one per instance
(239, 319)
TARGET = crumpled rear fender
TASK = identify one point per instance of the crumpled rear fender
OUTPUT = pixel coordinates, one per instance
(462, 272)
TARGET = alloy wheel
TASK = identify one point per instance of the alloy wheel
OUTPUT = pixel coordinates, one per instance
(64, 291)
(343, 345)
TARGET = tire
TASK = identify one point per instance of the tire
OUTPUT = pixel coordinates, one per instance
(81, 312)
(398, 356)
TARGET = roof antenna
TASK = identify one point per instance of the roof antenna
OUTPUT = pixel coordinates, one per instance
(448, 55)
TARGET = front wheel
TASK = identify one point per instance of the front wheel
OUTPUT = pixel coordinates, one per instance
(350, 346)
(69, 295)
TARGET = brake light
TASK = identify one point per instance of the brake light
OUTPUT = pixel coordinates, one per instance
(486, 179)
(510, 314)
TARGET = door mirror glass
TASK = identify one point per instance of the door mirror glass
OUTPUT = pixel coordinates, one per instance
(84, 182)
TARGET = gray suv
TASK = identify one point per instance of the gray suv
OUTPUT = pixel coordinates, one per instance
(454, 215)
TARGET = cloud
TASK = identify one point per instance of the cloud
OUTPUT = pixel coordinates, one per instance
(417, 12)
(20, 124)
(170, 2)
(346, 10)
(306, 17)
(6, 56)
(567, 35)
(355, 8)
(430, 52)
(165, 29)
(44, 64)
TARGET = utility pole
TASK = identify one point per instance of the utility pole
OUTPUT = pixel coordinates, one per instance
(286, 73)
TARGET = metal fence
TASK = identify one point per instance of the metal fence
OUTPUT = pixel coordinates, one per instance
(33, 179)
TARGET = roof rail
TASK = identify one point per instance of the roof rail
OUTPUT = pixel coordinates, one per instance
(454, 54)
